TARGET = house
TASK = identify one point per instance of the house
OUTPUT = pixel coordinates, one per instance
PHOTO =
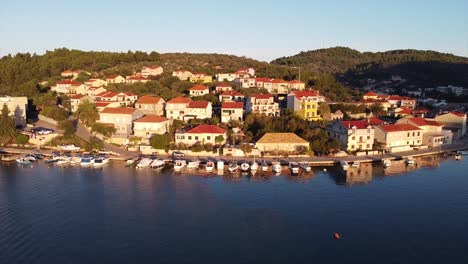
(305, 104)
(370, 95)
(223, 87)
(260, 82)
(151, 71)
(278, 86)
(454, 121)
(433, 134)
(296, 85)
(199, 90)
(281, 142)
(198, 110)
(231, 96)
(136, 79)
(262, 104)
(115, 79)
(125, 98)
(63, 86)
(78, 99)
(243, 71)
(182, 75)
(150, 105)
(337, 115)
(95, 82)
(398, 137)
(202, 134)
(17, 107)
(232, 111)
(93, 91)
(201, 77)
(402, 112)
(245, 82)
(73, 74)
(149, 125)
(176, 108)
(357, 135)
(77, 89)
(221, 77)
(121, 118)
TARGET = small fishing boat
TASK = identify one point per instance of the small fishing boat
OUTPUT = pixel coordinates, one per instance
(254, 166)
(386, 163)
(220, 165)
(157, 163)
(233, 167)
(100, 161)
(63, 160)
(458, 156)
(75, 160)
(276, 167)
(130, 162)
(38, 156)
(69, 147)
(209, 166)
(305, 166)
(179, 165)
(23, 161)
(410, 160)
(294, 167)
(144, 163)
(52, 159)
(245, 166)
(356, 164)
(192, 165)
(344, 164)
(87, 161)
(30, 157)
(264, 166)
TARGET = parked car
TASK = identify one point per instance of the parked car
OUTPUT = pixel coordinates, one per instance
(178, 154)
(45, 131)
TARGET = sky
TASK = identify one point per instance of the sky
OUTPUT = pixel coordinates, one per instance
(258, 29)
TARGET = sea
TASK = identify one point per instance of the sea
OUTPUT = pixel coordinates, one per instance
(118, 214)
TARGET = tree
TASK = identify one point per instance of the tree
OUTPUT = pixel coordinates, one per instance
(7, 127)
(219, 139)
(68, 128)
(103, 129)
(87, 113)
(94, 143)
(22, 139)
(160, 141)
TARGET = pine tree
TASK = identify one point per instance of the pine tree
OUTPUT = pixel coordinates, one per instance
(7, 127)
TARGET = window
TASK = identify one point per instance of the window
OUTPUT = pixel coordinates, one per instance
(418, 133)
(208, 137)
(414, 134)
(368, 146)
(408, 134)
(189, 137)
(352, 146)
(368, 137)
(196, 137)
(353, 137)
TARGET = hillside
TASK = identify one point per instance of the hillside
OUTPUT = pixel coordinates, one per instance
(422, 68)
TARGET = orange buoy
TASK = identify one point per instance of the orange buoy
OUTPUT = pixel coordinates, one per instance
(336, 236)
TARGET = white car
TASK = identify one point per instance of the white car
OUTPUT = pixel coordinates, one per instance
(44, 132)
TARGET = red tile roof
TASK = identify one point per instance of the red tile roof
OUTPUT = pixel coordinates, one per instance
(398, 127)
(261, 96)
(179, 100)
(206, 129)
(460, 114)
(278, 81)
(77, 96)
(404, 111)
(419, 121)
(301, 94)
(262, 79)
(371, 94)
(359, 124)
(102, 104)
(223, 85)
(198, 104)
(199, 87)
(113, 76)
(119, 110)
(375, 121)
(149, 99)
(231, 93)
(151, 119)
(295, 81)
(232, 105)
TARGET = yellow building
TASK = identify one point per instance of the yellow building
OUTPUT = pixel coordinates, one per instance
(305, 104)
(201, 77)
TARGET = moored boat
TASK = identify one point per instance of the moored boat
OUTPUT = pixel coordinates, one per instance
(87, 161)
(209, 167)
(254, 166)
(192, 165)
(344, 164)
(276, 167)
(245, 166)
(233, 167)
(69, 147)
(63, 160)
(264, 166)
(410, 160)
(386, 163)
(144, 163)
(157, 163)
(75, 160)
(100, 161)
(30, 157)
(179, 165)
(458, 156)
(220, 165)
(23, 161)
(305, 166)
(52, 159)
(294, 167)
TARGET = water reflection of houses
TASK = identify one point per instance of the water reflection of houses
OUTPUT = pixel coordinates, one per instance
(361, 175)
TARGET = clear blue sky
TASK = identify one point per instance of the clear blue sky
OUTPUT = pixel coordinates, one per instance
(254, 28)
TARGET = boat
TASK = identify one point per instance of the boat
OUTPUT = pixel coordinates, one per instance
(220, 165)
(157, 163)
(233, 167)
(70, 147)
(264, 166)
(23, 161)
(410, 161)
(209, 166)
(463, 152)
(192, 165)
(276, 167)
(245, 166)
(100, 161)
(305, 166)
(344, 164)
(144, 163)
(356, 164)
(62, 160)
(30, 157)
(130, 162)
(38, 156)
(254, 166)
(87, 161)
(458, 156)
(294, 167)
(75, 160)
(179, 164)
(386, 163)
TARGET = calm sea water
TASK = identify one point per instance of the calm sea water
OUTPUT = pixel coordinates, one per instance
(51, 214)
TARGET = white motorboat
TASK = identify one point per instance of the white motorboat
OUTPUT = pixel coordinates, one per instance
(233, 167)
(386, 163)
(356, 164)
(52, 159)
(144, 163)
(254, 166)
(410, 160)
(70, 147)
(245, 166)
(75, 160)
(220, 165)
(192, 165)
(87, 161)
(344, 164)
(294, 167)
(264, 166)
(463, 152)
(157, 163)
(458, 156)
(30, 157)
(209, 166)
(23, 161)
(100, 161)
(305, 166)
(63, 160)
(276, 167)
(179, 164)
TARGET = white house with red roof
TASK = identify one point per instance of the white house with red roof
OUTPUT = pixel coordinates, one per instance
(229, 77)
(260, 82)
(93, 91)
(103, 104)
(356, 135)
(433, 133)
(136, 79)
(149, 125)
(182, 75)
(124, 98)
(199, 90)
(115, 78)
(78, 99)
(245, 82)
(262, 104)
(242, 71)
(198, 110)
(63, 86)
(454, 121)
(201, 77)
(95, 82)
(398, 137)
(151, 71)
(176, 108)
(121, 118)
(296, 85)
(223, 87)
(150, 105)
(202, 134)
(231, 96)
(232, 111)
